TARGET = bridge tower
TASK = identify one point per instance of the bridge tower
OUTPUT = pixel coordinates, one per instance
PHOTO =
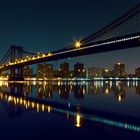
(16, 71)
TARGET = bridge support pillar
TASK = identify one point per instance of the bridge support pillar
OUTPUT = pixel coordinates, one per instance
(16, 72)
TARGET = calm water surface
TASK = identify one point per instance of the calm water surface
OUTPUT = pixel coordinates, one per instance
(70, 110)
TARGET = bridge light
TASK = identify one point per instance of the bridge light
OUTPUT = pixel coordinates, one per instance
(43, 55)
(49, 54)
(77, 44)
(33, 58)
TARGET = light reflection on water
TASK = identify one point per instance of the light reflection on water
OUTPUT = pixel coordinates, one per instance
(31, 95)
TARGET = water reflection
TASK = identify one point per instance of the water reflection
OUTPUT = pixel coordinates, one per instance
(78, 120)
(23, 103)
(46, 89)
(60, 96)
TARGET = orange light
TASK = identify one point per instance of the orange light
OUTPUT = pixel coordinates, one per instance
(78, 120)
(78, 44)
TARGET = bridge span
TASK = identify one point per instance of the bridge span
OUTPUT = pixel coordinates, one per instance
(122, 33)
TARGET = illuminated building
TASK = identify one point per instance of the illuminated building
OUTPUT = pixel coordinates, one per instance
(49, 71)
(44, 71)
(94, 72)
(40, 71)
(107, 73)
(119, 69)
(137, 72)
(56, 74)
(79, 70)
(27, 72)
(71, 74)
(64, 70)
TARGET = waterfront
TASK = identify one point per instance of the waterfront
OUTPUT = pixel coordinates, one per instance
(70, 109)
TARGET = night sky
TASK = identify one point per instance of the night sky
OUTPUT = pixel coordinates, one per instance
(47, 25)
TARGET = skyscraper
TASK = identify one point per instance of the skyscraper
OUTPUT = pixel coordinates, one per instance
(64, 70)
(49, 71)
(44, 71)
(119, 69)
(79, 70)
(27, 72)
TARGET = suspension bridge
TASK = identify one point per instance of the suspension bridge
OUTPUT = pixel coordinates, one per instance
(122, 33)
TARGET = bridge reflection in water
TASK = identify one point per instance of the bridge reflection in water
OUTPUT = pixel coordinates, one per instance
(67, 98)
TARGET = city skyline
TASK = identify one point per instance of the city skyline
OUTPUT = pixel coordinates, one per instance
(49, 71)
(110, 67)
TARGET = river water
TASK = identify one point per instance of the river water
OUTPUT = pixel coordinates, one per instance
(70, 110)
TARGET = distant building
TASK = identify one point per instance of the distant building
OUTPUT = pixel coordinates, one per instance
(49, 71)
(119, 69)
(56, 74)
(44, 71)
(137, 72)
(64, 70)
(94, 72)
(79, 70)
(107, 73)
(71, 74)
(27, 72)
(40, 71)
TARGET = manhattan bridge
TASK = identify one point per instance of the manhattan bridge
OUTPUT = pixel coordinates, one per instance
(122, 33)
